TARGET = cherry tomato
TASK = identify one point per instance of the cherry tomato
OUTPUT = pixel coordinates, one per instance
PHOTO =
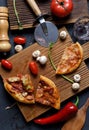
(6, 64)
(20, 40)
(61, 8)
(33, 67)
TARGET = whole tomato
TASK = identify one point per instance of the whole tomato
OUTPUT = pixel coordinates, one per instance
(61, 8)
(20, 40)
(6, 64)
(33, 67)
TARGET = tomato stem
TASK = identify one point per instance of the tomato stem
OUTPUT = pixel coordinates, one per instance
(61, 3)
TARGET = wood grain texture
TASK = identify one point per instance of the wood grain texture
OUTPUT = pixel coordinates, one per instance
(27, 17)
(20, 65)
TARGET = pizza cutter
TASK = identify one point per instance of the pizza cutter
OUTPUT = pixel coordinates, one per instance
(46, 32)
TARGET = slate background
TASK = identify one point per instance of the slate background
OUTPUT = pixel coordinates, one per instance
(12, 119)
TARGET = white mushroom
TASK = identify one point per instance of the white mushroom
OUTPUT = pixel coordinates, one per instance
(75, 86)
(42, 59)
(77, 77)
(38, 58)
(18, 48)
(36, 53)
(63, 35)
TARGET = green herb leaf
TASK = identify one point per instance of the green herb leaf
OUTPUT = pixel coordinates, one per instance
(52, 63)
(49, 55)
(66, 78)
(17, 16)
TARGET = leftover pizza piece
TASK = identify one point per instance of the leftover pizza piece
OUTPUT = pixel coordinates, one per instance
(20, 88)
(47, 93)
(71, 59)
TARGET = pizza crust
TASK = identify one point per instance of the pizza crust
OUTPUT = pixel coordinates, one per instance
(16, 87)
(71, 59)
(23, 97)
(41, 92)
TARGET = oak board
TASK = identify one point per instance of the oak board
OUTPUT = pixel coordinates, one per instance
(20, 65)
(27, 17)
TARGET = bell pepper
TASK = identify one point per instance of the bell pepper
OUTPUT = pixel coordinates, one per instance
(70, 109)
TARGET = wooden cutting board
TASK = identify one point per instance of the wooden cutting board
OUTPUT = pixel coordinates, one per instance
(20, 65)
(27, 17)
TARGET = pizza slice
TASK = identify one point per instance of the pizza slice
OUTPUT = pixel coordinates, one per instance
(71, 59)
(47, 93)
(20, 88)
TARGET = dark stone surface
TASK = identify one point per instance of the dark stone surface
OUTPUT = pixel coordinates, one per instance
(12, 119)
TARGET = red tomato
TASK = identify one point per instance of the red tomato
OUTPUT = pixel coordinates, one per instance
(61, 8)
(6, 64)
(20, 40)
(33, 67)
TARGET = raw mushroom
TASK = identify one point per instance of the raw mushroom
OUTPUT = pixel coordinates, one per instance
(18, 48)
(77, 77)
(75, 86)
(63, 35)
(42, 59)
(36, 53)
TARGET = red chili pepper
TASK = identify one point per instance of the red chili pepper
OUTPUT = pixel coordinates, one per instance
(33, 67)
(64, 114)
(6, 64)
(20, 40)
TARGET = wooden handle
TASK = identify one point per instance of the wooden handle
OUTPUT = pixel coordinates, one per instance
(4, 39)
(34, 7)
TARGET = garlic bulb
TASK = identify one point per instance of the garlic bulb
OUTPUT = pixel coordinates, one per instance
(42, 59)
(36, 53)
(18, 48)
(75, 86)
(63, 35)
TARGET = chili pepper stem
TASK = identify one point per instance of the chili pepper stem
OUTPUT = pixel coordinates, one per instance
(54, 67)
(77, 101)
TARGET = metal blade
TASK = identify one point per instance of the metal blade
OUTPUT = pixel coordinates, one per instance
(43, 25)
(45, 40)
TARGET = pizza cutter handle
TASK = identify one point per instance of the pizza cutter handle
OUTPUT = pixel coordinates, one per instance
(34, 7)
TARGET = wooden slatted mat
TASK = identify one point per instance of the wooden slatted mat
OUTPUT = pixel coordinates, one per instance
(20, 65)
(27, 17)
